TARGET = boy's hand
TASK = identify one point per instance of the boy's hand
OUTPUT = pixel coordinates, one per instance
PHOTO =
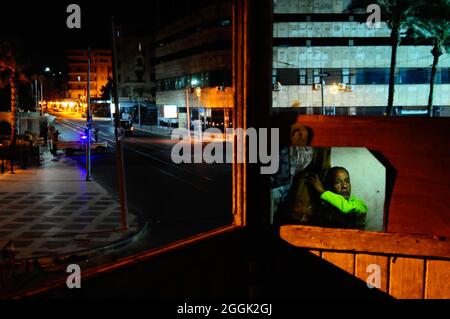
(314, 180)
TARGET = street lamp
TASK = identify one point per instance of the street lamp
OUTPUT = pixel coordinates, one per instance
(198, 92)
(88, 119)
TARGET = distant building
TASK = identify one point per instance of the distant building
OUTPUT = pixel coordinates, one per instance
(101, 71)
(315, 40)
(193, 64)
(135, 72)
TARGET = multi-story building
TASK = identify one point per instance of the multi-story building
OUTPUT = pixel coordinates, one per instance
(101, 71)
(316, 40)
(193, 65)
(135, 70)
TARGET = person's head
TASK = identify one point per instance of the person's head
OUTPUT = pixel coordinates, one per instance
(337, 180)
(300, 135)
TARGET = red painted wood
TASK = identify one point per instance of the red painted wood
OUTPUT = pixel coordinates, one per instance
(418, 149)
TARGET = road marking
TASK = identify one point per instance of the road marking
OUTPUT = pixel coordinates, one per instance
(155, 158)
(158, 160)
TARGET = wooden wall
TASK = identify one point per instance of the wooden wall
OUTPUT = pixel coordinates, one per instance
(410, 266)
(417, 154)
(401, 277)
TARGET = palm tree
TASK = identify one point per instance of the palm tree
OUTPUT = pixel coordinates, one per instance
(432, 23)
(8, 72)
(396, 14)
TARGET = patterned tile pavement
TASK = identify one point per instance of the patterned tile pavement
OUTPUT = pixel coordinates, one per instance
(52, 210)
(48, 223)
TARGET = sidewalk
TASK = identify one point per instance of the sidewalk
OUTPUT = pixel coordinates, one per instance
(167, 131)
(155, 129)
(51, 211)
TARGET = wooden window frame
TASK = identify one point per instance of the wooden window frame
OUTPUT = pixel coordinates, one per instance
(240, 68)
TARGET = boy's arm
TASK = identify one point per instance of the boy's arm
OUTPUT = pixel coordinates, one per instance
(352, 206)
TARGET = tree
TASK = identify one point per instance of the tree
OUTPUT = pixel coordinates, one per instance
(397, 14)
(106, 90)
(432, 23)
(8, 74)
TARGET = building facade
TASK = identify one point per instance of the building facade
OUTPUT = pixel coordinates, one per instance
(135, 72)
(101, 71)
(317, 40)
(193, 67)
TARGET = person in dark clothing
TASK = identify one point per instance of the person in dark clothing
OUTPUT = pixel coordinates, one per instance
(96, 134)
(301, 205)
(55, 139)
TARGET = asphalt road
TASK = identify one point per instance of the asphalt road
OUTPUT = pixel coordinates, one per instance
(177, 200)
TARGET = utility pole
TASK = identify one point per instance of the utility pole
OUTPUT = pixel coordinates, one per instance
(119, 151)
(36, 93)
(322, 84)
(188, 114)
(139, 110)
(42, 91)
(88, 119)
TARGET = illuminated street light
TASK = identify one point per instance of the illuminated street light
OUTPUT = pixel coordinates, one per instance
(47, 69)
(334, 89)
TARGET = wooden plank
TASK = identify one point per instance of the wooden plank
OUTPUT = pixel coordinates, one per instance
(365, 242)
(419, 151)
(363, 261)
(406, 280)
(345, 261)
(437, 284)
(318, 253)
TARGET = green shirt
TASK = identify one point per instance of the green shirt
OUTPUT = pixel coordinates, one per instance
(353, 205)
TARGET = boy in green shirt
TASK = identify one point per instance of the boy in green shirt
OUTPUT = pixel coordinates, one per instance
(341, 208)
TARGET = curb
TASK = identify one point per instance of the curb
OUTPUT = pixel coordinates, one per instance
(50, 261)
(166, 134)
(46, 262)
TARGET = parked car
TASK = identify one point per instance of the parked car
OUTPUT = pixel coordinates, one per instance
(71, 147)
(127, 126)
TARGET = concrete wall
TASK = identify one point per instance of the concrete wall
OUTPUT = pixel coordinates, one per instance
(328, 29)
(5, 116)
(208, 13)
(29, 122)
(129, 86)
(368, 178)
(310, 6)
(204, 62)
(195, 39)
(362, 95)
(209, 97)
(101, 68)
(355, 57)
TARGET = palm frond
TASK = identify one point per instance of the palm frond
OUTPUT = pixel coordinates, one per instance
(358, 6)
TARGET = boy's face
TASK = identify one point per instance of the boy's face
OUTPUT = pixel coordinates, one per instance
(341, 184)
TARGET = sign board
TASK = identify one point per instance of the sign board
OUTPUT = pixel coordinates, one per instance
(170, 111)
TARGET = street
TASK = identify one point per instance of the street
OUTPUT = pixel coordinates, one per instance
(177, 200)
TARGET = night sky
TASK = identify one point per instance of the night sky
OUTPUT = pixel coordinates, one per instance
(40, 27)
(43, 36)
